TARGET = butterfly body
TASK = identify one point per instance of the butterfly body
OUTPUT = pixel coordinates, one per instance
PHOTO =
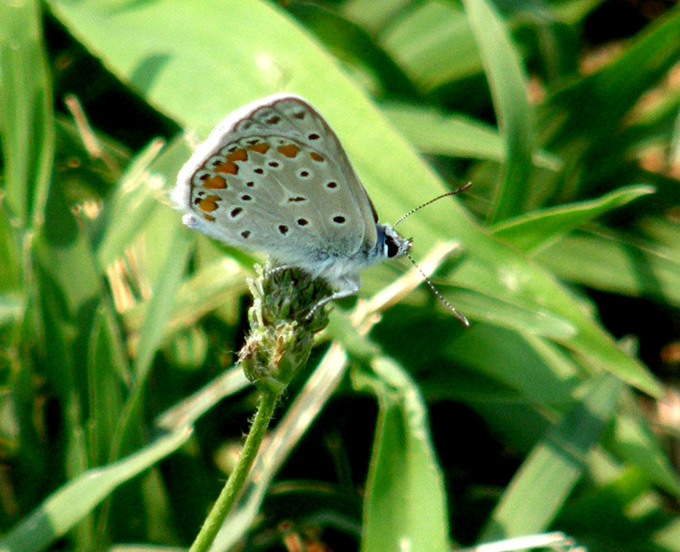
(274, 177)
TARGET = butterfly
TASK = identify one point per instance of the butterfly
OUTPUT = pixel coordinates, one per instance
(274, 177)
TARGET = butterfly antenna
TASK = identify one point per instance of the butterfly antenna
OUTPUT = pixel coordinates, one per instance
(459, 315)
(454, 192)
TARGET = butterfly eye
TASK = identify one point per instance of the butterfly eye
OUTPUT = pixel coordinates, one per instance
(391, 247)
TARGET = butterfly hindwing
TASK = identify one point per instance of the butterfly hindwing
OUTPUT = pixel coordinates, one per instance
(273, 177)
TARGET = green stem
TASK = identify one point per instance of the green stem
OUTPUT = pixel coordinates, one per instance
(237, 479)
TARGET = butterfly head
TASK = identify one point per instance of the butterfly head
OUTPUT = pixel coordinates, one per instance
(390, 244)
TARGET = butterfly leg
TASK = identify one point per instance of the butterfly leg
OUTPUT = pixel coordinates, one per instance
(349, 285)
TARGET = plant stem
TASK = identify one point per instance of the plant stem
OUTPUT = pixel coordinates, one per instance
(237, 479)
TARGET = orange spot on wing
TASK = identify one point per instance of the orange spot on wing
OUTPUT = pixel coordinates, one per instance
(209, 203)
(262, 147)
(316, 156)
(238, 155)
(289, 150)
(228, 167)
(209, 218)
(216, 182)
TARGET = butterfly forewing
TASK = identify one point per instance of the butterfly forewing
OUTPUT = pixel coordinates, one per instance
(276, 179)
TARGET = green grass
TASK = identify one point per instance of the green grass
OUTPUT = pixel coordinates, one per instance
(120, 405)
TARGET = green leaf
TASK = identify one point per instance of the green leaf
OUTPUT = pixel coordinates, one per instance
(75, 500)
(26, 118)
(620, 512)
(375, 16)
(127, 210)
(12, 278)
(360, 53)
(431, 42)
(551, 471)
(405, 505)
(153, 328)
(575, 113)
(634, 443)
(109, 375)
(537, 230)
(540, 372)
(11, 308)
(508, 83)
(436, 132)
(614, 263)
(67, 297)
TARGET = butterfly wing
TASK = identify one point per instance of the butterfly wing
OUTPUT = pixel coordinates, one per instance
(274, 177)
(301, 118)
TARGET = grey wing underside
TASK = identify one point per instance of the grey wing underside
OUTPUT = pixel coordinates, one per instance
(273, 177)
(299, 117)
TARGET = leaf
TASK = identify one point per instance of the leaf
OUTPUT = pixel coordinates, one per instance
(127, 210)
(436, 132)
(26, 118)
(362, 55)
(405, 505)
(11, 308)
(153, 328)
(75, 500)
(508, 83)
(537, 230)
(617, 264)
(551, 471)
(634, 443)
(431, 42)
(108, 375)
(575, 112)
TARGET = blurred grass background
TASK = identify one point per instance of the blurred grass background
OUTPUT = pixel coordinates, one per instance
(557, 410)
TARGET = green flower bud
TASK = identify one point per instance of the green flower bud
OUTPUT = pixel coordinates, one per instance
(281, 328)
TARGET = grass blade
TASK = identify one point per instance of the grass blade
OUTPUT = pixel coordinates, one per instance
(540, 488)
(26, 118)
(508, 83)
